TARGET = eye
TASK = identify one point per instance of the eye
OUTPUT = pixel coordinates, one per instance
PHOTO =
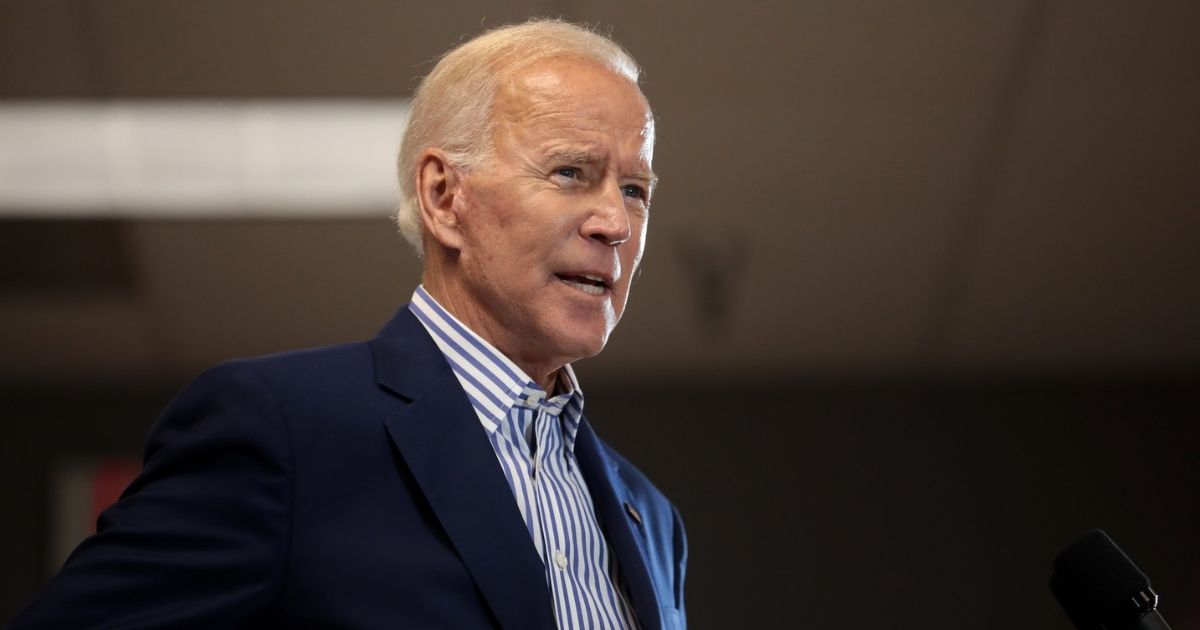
(635, 191)
(570, 172)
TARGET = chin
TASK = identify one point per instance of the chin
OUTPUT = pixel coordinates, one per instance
(579, 335)
(585, 347)
(583, 341)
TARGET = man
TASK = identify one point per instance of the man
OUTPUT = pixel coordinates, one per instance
(440, 475)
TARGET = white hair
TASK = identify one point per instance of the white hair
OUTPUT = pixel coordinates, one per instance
(452, 107)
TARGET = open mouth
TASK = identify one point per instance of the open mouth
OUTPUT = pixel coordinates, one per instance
(591, 285)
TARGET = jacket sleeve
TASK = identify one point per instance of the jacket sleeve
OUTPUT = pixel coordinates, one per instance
(199, 539)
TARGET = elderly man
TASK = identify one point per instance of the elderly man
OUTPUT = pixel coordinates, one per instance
(440, 475)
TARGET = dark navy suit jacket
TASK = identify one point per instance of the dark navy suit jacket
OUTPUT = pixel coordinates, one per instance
(343, 487)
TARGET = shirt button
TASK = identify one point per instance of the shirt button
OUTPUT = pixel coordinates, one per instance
(560, 559)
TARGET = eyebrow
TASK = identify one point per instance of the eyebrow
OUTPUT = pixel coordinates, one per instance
(568, 155)
(650, 178)
(573, 156)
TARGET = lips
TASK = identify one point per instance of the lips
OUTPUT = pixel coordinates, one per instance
(591, 284)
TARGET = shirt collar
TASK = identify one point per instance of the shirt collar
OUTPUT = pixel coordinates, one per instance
(493, 383)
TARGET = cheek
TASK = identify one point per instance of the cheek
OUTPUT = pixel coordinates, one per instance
(638, 241)
(494, 231)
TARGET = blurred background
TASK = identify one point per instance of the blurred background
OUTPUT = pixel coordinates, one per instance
(919, 305)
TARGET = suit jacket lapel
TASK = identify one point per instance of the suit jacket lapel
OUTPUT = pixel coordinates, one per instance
(609, 495)
(439, 436)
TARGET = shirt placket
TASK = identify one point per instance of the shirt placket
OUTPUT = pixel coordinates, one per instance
(520, 418)
(554, 528)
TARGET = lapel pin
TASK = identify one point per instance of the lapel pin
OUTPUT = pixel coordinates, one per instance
(633, 513)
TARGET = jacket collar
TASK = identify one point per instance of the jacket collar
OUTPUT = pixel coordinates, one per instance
(471, 499)
(611, 495)
(439, 437)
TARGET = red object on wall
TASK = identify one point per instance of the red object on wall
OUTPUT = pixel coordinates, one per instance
(109, 480)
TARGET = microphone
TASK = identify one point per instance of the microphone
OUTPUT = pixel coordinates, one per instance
(1100, 588)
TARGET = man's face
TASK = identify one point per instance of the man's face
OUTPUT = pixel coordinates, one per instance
(554, 222)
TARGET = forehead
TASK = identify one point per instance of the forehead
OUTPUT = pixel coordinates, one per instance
(574, 100)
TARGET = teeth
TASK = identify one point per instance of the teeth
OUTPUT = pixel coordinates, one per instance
(589, 289)
(593, 278)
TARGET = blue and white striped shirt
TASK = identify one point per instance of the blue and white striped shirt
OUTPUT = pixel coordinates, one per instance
(534, 439)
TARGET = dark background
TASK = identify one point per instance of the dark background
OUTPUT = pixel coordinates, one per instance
(919, 304)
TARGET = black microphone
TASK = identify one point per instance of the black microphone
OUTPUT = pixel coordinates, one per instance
(1100, 588)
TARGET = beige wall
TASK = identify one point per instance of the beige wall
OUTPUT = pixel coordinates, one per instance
(873, 188)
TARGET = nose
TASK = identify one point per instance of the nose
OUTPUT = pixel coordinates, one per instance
(608, 221)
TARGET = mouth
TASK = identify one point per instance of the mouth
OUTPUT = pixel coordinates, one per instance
(588, 283)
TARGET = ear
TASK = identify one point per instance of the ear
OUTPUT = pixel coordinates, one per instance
(439, 194)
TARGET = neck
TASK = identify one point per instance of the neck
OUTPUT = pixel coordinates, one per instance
(456, 301)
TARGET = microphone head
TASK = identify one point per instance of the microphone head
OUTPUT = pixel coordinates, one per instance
(1098, 586)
